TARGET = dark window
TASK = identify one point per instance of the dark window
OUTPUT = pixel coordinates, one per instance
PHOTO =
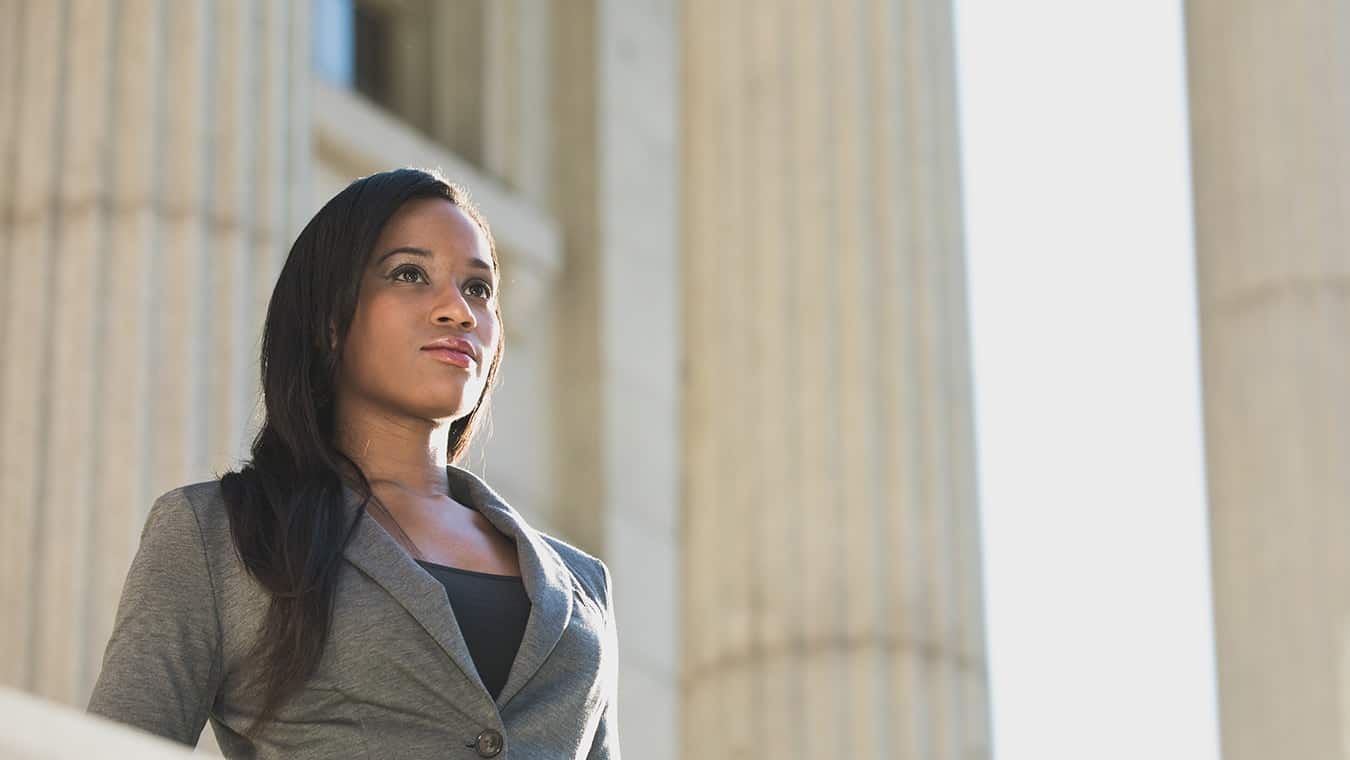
(421, 60)
(374, 44)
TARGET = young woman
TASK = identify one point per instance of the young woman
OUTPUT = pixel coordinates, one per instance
(350, 591)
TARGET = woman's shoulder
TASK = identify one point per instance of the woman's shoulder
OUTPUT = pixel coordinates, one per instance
(589, 570)
(193, 517)
(202, 502)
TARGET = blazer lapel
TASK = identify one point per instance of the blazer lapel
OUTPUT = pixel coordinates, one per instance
(375, 553)
(546, 579)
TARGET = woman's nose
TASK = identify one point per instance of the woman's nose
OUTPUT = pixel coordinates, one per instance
(455, 309)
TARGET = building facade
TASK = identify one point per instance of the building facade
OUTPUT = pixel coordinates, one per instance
(737, 363)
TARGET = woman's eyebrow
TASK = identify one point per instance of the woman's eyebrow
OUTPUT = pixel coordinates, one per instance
(403, 249)
(476, 263)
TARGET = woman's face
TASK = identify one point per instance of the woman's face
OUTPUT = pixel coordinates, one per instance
(430, 278)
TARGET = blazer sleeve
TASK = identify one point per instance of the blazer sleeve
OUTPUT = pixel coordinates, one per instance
(605, 745)
(162, 665)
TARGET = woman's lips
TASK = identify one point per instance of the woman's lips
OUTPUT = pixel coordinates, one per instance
(449, 356)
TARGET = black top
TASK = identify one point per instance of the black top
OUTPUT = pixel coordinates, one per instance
(492, 611)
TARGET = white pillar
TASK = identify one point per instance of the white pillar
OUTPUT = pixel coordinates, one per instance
(1270, 116)
(612, 186)
(832, 602)
(151, 153)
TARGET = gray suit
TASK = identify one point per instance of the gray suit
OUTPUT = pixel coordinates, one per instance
(396, 679)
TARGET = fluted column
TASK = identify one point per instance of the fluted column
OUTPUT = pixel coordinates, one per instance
(149, 155)
(832, 604)
(1270, 115)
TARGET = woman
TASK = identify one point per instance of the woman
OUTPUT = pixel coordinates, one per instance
(437, 623)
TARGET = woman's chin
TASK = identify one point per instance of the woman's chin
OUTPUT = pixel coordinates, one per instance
(441, 410)
(448, 403)
(453, 415)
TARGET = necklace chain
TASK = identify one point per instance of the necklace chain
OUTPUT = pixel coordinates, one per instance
(411, 545)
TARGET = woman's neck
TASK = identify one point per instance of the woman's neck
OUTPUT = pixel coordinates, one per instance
(405, 452)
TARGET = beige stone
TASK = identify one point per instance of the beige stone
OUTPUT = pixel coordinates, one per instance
(832, 592)
(1271, 169)
(614, 162)
(131, 316)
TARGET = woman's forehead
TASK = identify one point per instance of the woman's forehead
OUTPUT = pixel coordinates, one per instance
(433, 228)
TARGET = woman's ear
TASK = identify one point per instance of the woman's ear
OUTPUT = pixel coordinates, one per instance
(332, 336)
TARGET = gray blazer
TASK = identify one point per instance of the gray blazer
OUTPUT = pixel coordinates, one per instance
(396, 679)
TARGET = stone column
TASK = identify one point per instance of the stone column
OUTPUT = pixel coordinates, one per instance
(1270, 120)
(832, 602)
(517, 71)
(612, 186)
(149, 155)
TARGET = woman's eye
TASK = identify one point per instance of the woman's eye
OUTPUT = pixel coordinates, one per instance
(400, 272)
(479, 289)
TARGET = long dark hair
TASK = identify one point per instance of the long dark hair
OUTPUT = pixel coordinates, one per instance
(286, 504)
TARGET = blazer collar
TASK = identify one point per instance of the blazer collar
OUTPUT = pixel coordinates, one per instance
(547, 581)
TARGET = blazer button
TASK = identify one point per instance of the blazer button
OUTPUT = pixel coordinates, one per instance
(488, 743)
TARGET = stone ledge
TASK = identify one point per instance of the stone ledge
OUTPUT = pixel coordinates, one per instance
(37, 729)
